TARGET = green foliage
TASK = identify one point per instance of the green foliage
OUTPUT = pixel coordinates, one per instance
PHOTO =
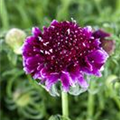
(22, 98)
(58, 117)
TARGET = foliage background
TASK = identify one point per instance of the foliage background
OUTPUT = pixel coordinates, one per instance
(21, 98)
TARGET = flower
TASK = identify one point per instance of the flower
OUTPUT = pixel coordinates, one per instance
(108, 45)
(63, 52)
(15, 38)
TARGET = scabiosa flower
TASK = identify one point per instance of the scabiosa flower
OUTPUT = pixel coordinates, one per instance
(63, 52)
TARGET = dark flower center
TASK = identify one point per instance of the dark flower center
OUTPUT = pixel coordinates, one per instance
(64, 44)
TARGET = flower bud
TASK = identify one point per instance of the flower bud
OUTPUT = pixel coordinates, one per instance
(107, 44)
(14, 38)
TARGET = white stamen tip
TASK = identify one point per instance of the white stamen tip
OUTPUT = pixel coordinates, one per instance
(68, 31)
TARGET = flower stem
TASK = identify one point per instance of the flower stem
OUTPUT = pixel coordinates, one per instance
(65, 104)
(91, 99)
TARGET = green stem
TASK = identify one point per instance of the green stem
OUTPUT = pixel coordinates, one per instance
(117, 5)
(91, 103)
(65, 104)
(98, 5)
(4, 15)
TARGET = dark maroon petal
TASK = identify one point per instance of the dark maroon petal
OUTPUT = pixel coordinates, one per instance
(100, 34)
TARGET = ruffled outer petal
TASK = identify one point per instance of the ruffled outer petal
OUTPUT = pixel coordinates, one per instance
(77, 77)
(37, 74)
(36, 31)
(51, 79)
(87, 31)
(66, 80)
(30, 47)
(74, 71)
(44, 72)
(82, 82)
(96, 59)
(54, 22)
(98, 56)
(31, 63)
(96, 43)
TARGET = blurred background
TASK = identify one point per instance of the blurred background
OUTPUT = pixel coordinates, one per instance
(21, 98)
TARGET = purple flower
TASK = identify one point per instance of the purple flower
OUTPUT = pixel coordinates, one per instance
(107, 45)
(63, 52)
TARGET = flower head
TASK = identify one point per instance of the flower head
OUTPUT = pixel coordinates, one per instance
(63, 52)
